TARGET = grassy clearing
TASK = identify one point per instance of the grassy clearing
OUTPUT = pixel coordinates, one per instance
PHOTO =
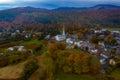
(33, 41)
(62, 76)
(114, 28)
(31, 44)
(12, 71)
(75, 51)
(116, 74)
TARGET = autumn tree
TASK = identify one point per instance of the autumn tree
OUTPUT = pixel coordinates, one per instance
(94, 65)
(47, 64)
(61, 46)
(78, 64)
(69, 68)
(94, 39)
(80, 35)
(62, 60)
(85, 63)
(29, 68)
(52, 48)
(110, 40)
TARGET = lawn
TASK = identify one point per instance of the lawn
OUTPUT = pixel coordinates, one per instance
(113, 28)
(76, 51)
(116, 74)
(12, 71)
(31, 44)
(33, 41)
(63, 76)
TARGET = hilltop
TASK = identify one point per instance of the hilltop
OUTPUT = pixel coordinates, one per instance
(103, 15)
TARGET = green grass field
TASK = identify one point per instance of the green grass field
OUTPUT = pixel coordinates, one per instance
(113, 28)
(63, 76)
(33, 41)
(116, 74)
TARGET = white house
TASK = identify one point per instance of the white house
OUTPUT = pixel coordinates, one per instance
(69, 41)
(94, 51)
(78, 43)
(103, 58)
(103, 61)
(101, 43)
(19, 48)
(47, 37)
(11, 48)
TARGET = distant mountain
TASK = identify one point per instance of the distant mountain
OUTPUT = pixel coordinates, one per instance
(105, 6)
(99, 7)
(25, 9)
(70, 8)
(10, 14)
(104, 15)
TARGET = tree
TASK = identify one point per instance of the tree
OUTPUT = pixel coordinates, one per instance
(61, 46)
(78, 64)
(94, 39)
(29, 68)
(113, 51)
(80, 35)
(111, 40)
(94, 65)
(52, 48)
(62, 60)
(48, 66)
(69, 63)
(85, 63)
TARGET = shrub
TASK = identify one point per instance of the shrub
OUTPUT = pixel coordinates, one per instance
(29, 68)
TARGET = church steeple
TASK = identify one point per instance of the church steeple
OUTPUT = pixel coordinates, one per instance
(63, 32)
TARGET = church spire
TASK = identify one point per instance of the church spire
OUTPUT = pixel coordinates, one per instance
(63, 33)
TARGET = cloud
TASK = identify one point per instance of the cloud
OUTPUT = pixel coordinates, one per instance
(6, 1)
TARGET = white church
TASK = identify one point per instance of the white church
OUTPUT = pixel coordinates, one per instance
(61, 37)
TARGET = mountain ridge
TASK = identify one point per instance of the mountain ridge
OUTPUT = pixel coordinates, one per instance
(87, 8)
(104, 15)
(66, 8)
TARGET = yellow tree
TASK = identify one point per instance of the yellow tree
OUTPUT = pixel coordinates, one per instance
(85, 63)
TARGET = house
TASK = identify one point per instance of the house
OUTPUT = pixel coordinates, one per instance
(118, 49)
(69, 41)
(78, 43)
(18, 48)
(101, 43)
(13, 34)
(18, 31)
(47, 37)
(112, 62)
(104, 56)
(37, 34)
(60, 37)
(94, 51)
(11, 49)
(97, 31)
(104, 60)
(27, 35)
(1, 53)
(87, 46)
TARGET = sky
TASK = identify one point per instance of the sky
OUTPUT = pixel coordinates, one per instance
(50, 4)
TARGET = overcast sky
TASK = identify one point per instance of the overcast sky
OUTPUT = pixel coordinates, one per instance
(5, 4)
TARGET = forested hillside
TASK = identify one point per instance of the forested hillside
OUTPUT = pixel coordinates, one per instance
(100, 15)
